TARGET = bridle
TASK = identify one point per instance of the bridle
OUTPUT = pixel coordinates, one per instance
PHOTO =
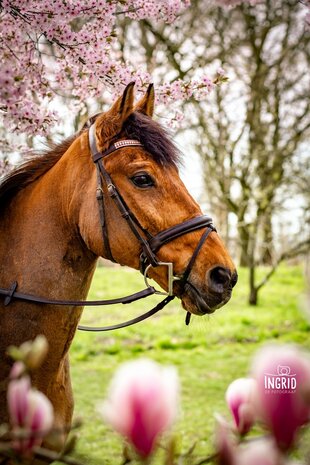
(149, 244)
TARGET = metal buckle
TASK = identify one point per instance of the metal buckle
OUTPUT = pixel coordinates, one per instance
(99, 192)
(171, 278)
(111, 190)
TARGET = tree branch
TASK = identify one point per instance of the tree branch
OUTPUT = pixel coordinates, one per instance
(299, 249)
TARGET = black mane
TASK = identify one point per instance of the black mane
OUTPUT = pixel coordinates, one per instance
(152, 136)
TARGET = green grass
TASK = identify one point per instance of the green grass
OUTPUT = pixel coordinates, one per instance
(208, 354)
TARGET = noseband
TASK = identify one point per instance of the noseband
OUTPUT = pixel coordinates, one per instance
(149, 245)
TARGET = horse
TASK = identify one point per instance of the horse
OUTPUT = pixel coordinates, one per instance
(51, 235)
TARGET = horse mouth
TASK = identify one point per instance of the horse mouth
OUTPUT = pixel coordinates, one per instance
(194, 302)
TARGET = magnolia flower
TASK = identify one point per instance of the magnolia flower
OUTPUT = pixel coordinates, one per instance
(226, 448)
(142, 403)
(259, 452)
(240, 399)
(31, 415)
(283, 383)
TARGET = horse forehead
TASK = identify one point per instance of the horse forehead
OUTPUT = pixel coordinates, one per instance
(133, 154)
(135, 157)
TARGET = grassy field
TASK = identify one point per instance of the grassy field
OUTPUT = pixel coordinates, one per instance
(208, 354)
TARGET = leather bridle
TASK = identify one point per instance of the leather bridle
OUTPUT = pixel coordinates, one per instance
(149, 244)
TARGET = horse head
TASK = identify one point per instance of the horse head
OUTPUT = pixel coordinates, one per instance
(143, 166)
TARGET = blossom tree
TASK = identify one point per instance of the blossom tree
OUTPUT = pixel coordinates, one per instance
(71, 49)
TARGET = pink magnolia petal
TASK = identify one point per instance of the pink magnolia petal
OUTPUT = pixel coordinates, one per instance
(283, 378)
(225, 446)
(40, 418)
(18, 369)
(240, 398)
(30, 412)
(41, 415)
(259, 452)
(247, 418)
(17, 400)
(142, 403)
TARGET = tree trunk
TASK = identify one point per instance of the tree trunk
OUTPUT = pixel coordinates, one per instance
(220, 214)
(253, 296)
(267, 247)
(244, 244)
(253, 290)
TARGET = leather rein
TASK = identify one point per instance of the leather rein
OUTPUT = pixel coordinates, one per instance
(149, 245)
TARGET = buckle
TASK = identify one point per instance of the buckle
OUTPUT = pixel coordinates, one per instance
(171, 278)
(99, 193)
(111, 190)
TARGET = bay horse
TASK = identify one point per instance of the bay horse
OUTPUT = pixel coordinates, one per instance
(51, 236)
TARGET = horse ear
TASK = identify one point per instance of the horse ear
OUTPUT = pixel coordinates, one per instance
(146, 104)
(110, 123)
(123, 106)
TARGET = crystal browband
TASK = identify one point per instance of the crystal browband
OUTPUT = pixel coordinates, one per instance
(124, 143)
(118, 145)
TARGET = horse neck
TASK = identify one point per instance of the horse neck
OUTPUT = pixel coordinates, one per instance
(41, 247)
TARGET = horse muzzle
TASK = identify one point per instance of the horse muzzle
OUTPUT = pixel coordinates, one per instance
(202, 300)
(196, 299)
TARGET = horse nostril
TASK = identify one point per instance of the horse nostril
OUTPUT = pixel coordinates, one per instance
(219, 278)
(234, 279)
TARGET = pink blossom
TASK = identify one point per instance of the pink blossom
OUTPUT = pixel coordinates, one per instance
(71, 48)
(225, 446)
(31, 415)
(240, 397)
(282, 374)
(18, 369)
(142, 403)
(85, 59)
(260, 451)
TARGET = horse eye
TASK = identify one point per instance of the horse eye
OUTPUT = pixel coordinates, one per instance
(142, 180)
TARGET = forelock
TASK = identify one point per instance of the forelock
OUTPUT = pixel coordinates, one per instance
(154, 138)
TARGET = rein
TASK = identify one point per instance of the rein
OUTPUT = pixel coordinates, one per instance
(149, 246)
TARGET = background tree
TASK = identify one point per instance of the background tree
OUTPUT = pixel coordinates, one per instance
(51, 49)
(250, 156)
(251, 131)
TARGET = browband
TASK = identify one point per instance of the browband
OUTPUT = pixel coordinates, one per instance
(115, 146)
